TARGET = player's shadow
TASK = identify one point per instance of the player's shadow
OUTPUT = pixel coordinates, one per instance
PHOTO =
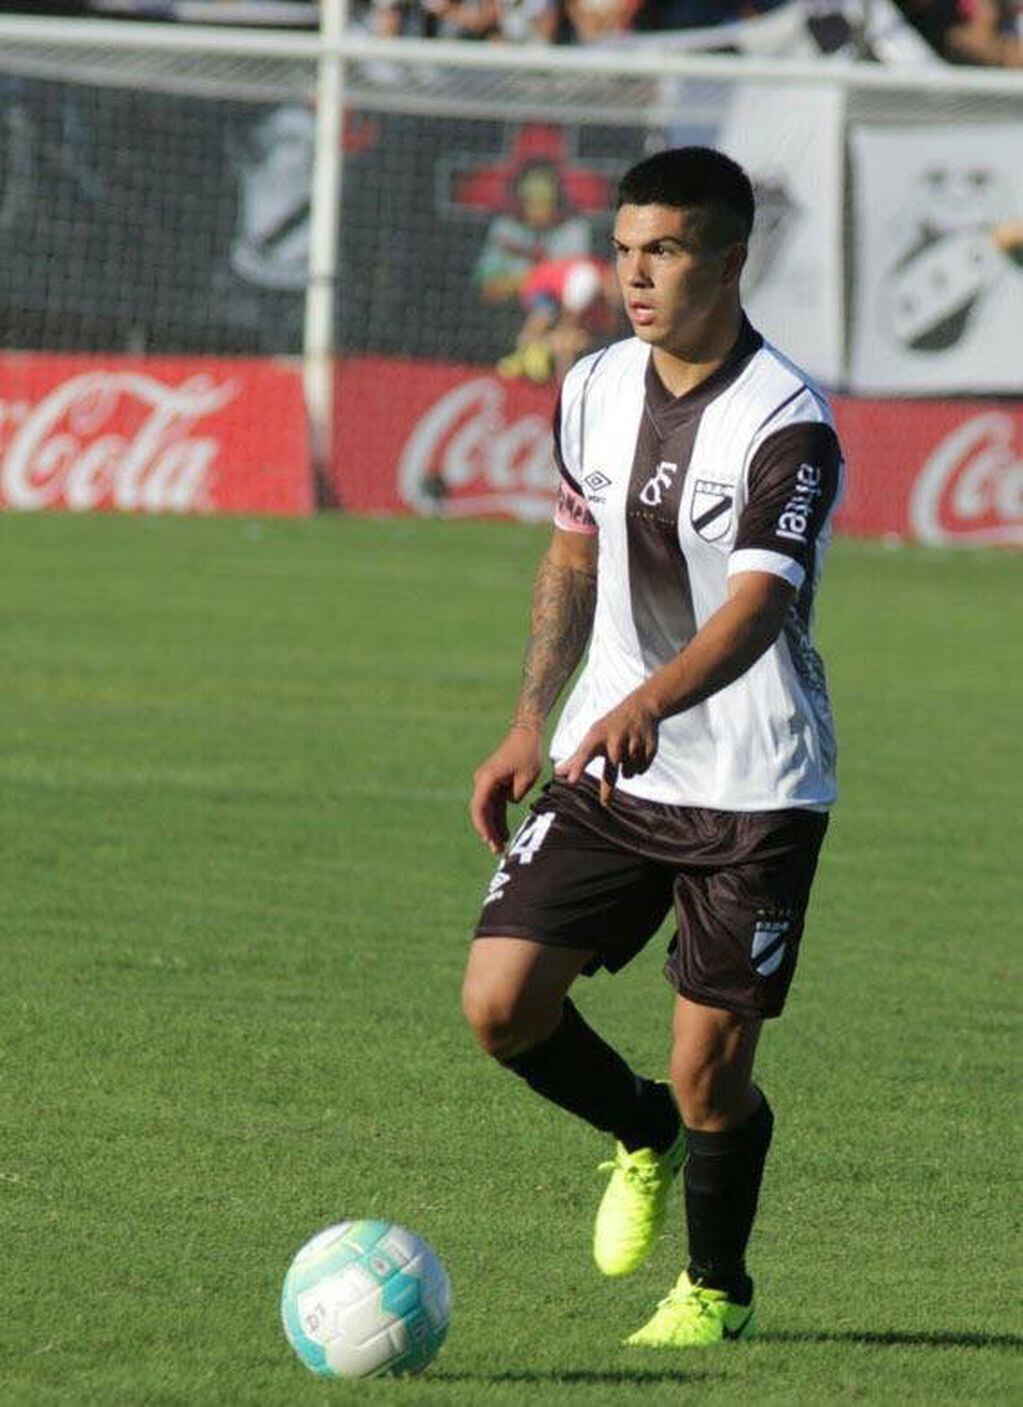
(896, 1338)
(611, 1377)
(646, 1377)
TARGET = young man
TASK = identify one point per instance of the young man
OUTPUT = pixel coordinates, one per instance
(695, 755)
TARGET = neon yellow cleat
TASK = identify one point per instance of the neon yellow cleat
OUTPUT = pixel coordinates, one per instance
(633, 1207)
(691, 1316)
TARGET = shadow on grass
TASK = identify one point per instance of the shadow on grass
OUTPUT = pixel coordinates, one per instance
(896, 1338)
(638, 1377)
(646, 1377)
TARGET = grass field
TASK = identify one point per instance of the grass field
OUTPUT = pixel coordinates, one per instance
(238, 881)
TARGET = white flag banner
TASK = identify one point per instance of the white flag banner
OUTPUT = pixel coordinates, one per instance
(938, 258)
(790, 142)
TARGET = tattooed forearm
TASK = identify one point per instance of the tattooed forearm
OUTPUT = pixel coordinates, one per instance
(563, 602)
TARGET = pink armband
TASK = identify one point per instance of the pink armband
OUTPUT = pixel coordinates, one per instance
(572, 513)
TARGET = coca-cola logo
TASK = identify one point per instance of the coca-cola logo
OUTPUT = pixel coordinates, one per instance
(970, 490)
(467, 455)
(111, 439)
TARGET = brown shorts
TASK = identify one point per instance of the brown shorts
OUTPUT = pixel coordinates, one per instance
(578, 875)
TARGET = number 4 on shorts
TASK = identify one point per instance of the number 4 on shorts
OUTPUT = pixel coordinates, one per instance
(529, 837)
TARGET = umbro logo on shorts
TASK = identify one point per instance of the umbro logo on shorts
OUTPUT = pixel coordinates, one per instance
(769, 944)
(597, 481)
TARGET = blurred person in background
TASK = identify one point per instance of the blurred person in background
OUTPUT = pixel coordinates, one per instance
(518, 21)
(571, 304)
(699, 14)
(530, 21)
(396, 19)
(983, 32)
(286, 13)
(597, 21)
(464, 19)
(30, 7)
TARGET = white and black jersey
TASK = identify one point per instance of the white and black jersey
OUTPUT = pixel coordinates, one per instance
(742, 474)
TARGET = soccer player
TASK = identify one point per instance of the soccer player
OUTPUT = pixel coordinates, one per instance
(694, 758)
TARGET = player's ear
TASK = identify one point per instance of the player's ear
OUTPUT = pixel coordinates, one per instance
(732, 266)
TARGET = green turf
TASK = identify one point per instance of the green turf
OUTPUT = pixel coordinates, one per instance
(237, 885)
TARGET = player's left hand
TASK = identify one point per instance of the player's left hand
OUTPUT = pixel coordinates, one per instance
(626, 738)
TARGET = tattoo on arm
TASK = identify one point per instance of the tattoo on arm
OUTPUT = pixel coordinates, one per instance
(563, 604)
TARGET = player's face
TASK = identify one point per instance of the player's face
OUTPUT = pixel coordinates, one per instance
(672, 287)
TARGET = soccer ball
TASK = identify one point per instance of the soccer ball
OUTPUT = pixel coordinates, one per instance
(364, 1299)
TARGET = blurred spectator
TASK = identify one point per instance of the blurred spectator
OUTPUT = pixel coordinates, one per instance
(393, 19)
(28, 7)
(968, 31)
(699, 14)
(530, 21)
(464, 19)
(592, 21)
(570, 304)
(289, 13)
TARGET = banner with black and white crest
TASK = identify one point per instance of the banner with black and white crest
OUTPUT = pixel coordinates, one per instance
(939, 253)
(790, 140)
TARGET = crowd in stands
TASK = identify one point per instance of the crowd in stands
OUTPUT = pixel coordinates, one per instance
(554, 21)
(987, 32)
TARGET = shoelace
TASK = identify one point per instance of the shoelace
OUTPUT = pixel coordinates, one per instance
(693, 1297)
(632, 1173)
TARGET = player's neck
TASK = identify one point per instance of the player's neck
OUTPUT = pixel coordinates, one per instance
(685, 365)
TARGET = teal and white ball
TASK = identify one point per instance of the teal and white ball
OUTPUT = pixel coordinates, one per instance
(366, 1298)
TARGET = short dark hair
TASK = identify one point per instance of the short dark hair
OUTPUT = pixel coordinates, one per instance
(695, 178)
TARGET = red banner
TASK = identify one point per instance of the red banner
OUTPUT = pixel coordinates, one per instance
(433, 438)
(933, 471)
(152, 435)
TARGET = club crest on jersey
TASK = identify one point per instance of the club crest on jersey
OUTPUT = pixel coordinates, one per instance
(769, 943)
(711, 511)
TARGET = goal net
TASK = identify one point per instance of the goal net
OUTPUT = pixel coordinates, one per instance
(156, 194)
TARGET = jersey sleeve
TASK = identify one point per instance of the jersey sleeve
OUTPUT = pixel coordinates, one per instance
(571, 511)
(793, 483)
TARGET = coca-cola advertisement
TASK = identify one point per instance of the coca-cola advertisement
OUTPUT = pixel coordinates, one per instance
(152, 435)
(435, 438)
(940, 472)
(455, 441)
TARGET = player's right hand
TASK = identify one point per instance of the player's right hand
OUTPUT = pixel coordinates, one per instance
(506, 775)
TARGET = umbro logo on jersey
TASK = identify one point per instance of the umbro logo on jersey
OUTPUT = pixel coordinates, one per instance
(660, 481)
(711, 512)
(769, 944)
(597, 481)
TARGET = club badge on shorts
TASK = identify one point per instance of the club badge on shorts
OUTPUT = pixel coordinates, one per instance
(770, 942)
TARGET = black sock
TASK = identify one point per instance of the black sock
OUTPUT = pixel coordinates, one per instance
(576, 1070)
(722, 1181)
